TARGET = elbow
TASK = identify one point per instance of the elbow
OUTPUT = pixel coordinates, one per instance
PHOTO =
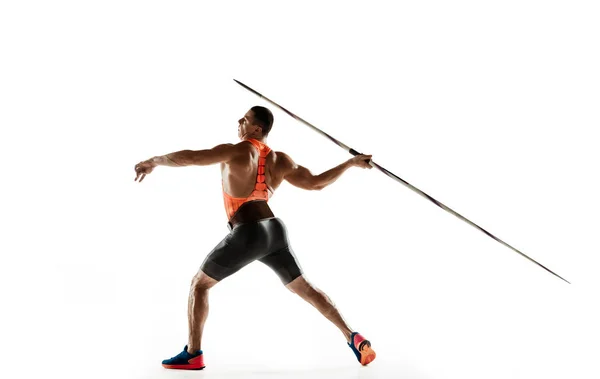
(316, 183)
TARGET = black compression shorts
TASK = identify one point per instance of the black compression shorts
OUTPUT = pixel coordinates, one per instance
(265, 240)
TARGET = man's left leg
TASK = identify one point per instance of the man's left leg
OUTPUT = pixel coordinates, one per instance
(198, 309)
(229, 256)
(192, 358)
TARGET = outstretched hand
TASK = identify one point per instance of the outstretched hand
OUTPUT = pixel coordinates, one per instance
(361, 160)
(143, 168)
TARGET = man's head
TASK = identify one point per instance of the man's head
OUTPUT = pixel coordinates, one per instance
(256, 123)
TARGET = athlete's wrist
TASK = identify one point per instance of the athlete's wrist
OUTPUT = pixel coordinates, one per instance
(155, 161)
(163, 160)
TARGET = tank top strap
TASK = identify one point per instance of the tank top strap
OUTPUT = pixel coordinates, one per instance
(261, 191)
(263, 149)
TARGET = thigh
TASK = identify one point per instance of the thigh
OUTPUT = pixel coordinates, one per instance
(280, 257)
(228, 257)
(284, 263)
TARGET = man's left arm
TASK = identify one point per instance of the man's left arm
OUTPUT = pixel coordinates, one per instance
(218, 154)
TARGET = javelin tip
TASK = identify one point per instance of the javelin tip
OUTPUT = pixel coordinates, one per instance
(246, 87)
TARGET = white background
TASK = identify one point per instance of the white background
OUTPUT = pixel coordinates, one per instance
(489, 107)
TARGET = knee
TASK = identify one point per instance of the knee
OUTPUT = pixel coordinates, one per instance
(201, 282)
(302, 288)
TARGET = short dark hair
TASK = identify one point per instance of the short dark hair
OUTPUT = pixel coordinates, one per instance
(263, 118)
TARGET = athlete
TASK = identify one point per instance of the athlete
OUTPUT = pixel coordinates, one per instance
(251, 172)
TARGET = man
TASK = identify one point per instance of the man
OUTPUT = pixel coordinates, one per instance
(251, 172)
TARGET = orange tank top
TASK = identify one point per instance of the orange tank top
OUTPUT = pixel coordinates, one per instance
(260, 191)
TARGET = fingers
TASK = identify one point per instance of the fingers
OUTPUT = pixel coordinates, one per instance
(140, 172)
(362, 157)
(365, 160)
(140, 175)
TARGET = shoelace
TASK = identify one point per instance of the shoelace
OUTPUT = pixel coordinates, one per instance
(182, 355)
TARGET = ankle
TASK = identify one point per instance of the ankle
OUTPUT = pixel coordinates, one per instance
(193, 349)
(348, 335)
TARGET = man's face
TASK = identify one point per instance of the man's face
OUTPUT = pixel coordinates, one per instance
(246, 125)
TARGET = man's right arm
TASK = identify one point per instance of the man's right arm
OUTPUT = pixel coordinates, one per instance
(301, 177)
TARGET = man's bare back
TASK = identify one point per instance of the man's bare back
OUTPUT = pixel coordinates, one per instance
(239, 174)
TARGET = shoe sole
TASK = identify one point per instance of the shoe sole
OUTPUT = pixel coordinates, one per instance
(183, 367)
(367, 355)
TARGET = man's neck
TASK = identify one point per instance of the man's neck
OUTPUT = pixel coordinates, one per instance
(263, 140)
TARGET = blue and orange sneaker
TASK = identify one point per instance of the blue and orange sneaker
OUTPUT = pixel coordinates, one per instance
(361, 348)
(185, 361)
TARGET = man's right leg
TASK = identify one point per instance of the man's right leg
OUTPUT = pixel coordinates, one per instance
(285, 265)
(283, 261)
(321, 302)
(359, 344)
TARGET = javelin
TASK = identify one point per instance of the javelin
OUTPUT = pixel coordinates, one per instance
(400, 180)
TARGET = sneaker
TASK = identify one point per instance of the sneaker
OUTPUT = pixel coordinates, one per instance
(185, 361)
(361, 348)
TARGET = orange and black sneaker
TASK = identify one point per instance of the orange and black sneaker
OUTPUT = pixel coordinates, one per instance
(185, 361)
(361, 348)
